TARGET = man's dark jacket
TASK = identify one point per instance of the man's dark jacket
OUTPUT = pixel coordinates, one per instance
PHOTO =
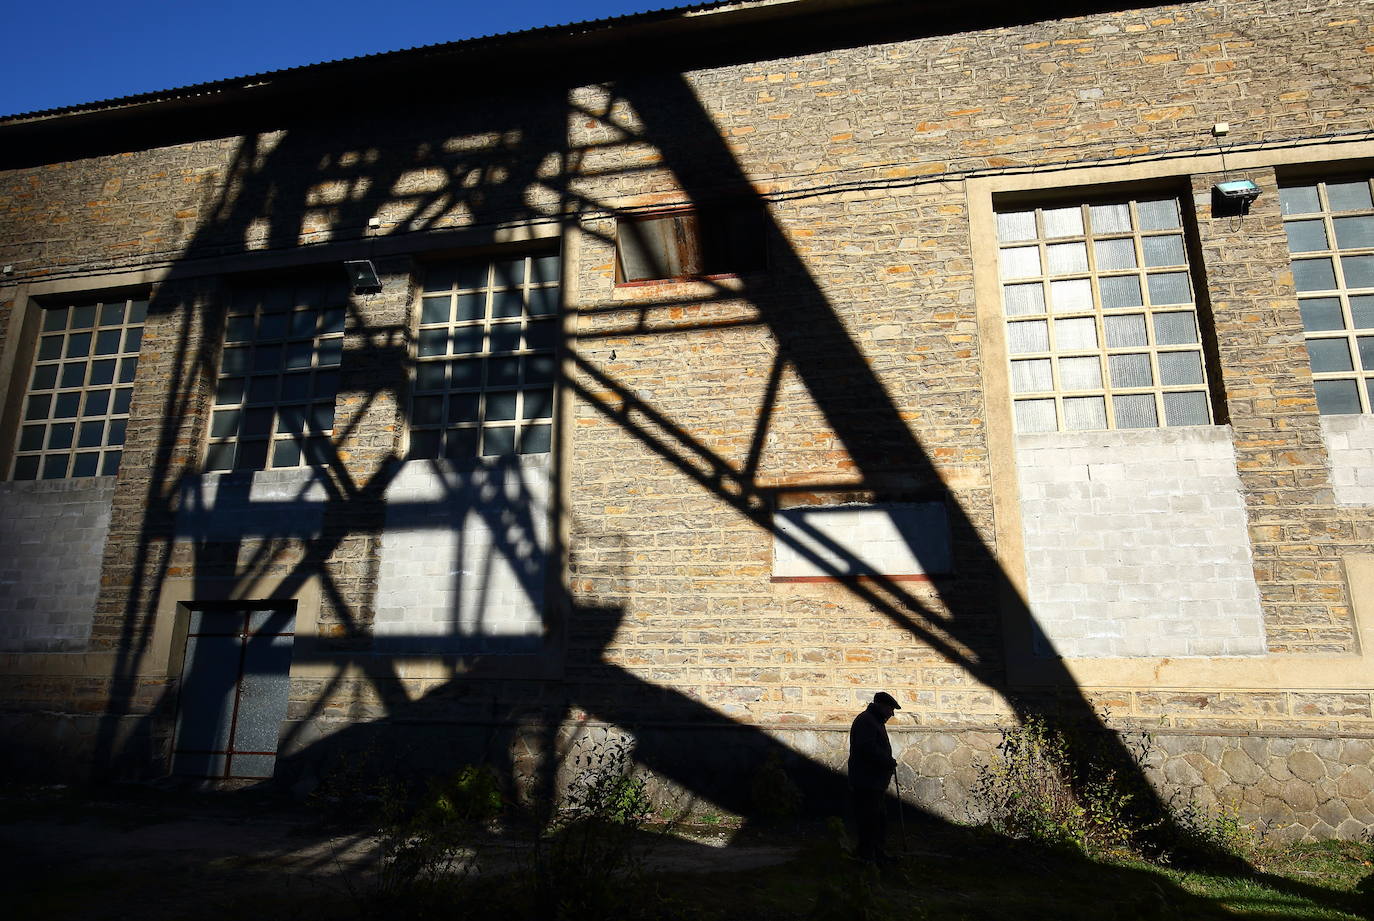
(870, 752)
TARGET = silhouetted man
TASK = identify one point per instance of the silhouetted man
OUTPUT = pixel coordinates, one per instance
(870, 768)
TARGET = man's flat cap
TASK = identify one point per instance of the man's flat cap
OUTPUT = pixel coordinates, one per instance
(887, 700)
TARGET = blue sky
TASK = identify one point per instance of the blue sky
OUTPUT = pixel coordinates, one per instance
(66, 52)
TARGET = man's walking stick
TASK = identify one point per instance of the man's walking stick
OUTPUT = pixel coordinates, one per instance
(901, 809)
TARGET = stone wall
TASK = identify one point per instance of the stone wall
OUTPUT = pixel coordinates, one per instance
(1136, 543)
(851, 371)
(53, 535)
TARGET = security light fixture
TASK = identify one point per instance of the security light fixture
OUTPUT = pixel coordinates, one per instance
(362, 276)
(1233, 197)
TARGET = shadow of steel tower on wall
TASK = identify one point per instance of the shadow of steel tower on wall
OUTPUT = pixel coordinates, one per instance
(272, 185)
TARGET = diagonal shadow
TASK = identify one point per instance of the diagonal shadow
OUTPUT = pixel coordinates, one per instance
(272, 187)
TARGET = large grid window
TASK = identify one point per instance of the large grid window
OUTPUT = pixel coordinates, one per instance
(1331, 237)
(274, 400)
(485, 365)
(76, 407)
(1102, 326)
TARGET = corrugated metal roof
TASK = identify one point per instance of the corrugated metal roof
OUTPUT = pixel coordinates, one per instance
(216, 86)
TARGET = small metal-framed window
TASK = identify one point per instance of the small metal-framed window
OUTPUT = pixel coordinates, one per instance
(1101, 317)
(709, 241)
(485, 364)
(1330, 228)
(76, 406)
(278, 376)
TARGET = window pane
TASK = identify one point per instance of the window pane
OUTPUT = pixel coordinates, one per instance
(467, 340)
(1175, 328)
(1177, 368)
(1021, 300)
(1131, 371)
(1080, 373)
(1366, 347)
(45, 376)
(92, 434)
(74, 374)
(115, 434)
(1158, 215)
(1031, 376)
(1031, 336)
(31, 438)
(1329, 355)
(1067, 258)
(424, 444)
(430, 375)
(507, 303)
(1348, 196)
(543, 302)
(463, 407)
(537, 404)
(433, 342)
(541, 335)
(1169, 288)
(1125, 331)
(78, 345)
(1020, 262)
(462, 445)
(435, 309)
(1359, 271)
(498, 442)
(286, 454)
(1354, 232)
(1362, 311)
(1186, 409)
(1300, 199)
(1114, 254)
(505, 337)
(65, 406)
(1135, 411)
(60, 435)
(26, 468)
(1073, 296)
(427, 410)
(107, 342)
(219, 457)
(83, 317)
(1075, 334)
(85, 463)
(1321, 313)
(1306, 236)
(1337, 397)
(544, 269)
(1163, 251)
(49, 347)
(1084, 413)
(109, 464)
(54, 319)
(1314, 274)
(97, 402)
(1063, 222)
(224, 423)
(1035, 416)
(1110, 218)
(536, 439)
(1013, 226)
(471, 307)
(55, 467)
(501, 406)
(1123, 291)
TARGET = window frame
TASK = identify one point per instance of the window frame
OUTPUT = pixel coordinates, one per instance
(536, 359)
(705, 234)
(1088, 279)
(310, 440)
(1361, 371)
(119, 386)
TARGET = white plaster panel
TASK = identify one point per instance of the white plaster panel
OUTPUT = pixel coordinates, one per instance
(895, 539)
(1350, 452)
(463, 558)
(1136, 543)
(52, 540)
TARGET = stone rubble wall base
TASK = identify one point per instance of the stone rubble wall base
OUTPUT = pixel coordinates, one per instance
(1285, 788)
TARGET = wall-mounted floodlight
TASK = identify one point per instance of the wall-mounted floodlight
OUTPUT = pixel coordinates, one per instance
(362, 276)
(1233, 197)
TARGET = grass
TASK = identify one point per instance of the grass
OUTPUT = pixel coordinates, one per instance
(948, 872)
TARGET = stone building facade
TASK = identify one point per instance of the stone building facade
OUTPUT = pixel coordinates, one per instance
(723, 366)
